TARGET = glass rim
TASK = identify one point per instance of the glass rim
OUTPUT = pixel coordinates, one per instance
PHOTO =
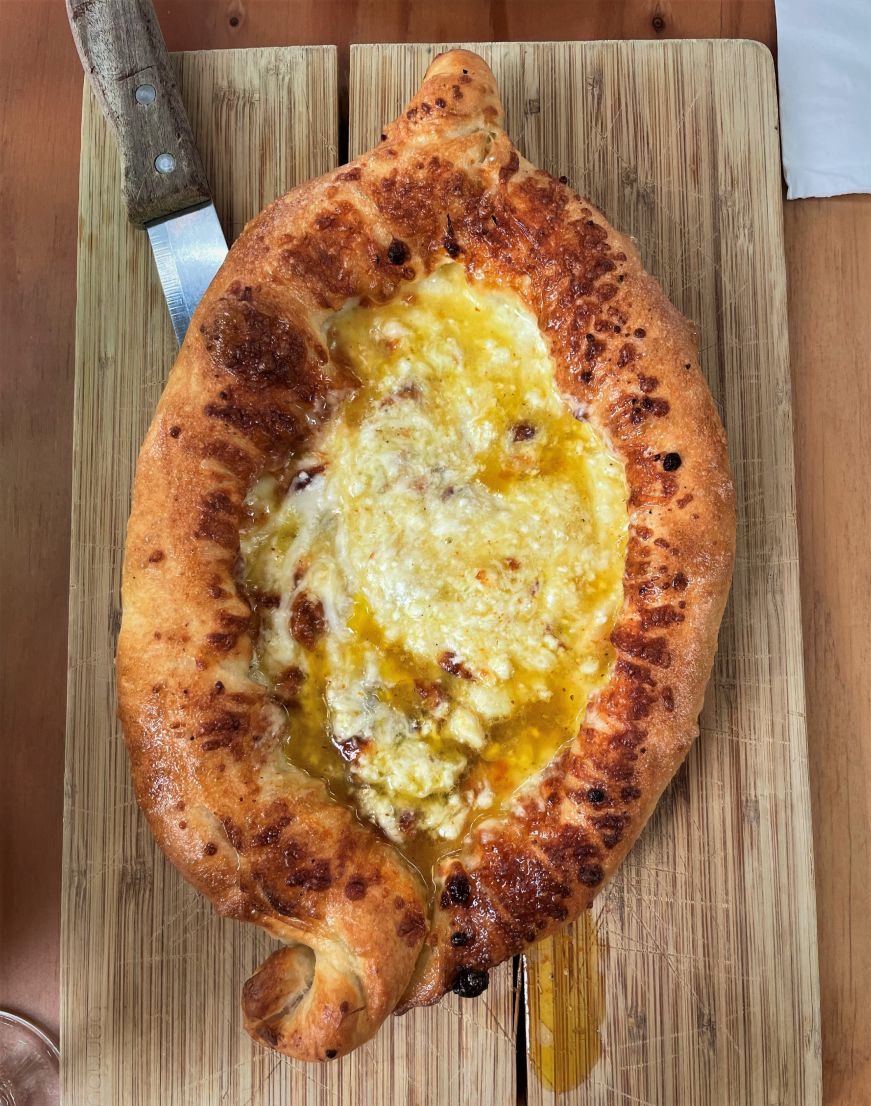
(16, 1019)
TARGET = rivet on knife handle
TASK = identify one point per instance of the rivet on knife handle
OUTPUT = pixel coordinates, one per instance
(125, 58)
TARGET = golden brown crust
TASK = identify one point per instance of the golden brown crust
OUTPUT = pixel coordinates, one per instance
(251, 384)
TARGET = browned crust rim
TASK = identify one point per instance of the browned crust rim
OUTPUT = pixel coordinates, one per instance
(251, 383)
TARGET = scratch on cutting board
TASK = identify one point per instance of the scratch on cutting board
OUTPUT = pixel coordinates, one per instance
(694, 957)
(502, 1031)
(641, 869)
(683, 118)
(684, 984)
(604, 135)
(631, 1098)
(191, 907)
(101, 812)
(212, 1075)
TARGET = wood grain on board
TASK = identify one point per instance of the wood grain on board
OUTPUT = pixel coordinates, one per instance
(706, 947)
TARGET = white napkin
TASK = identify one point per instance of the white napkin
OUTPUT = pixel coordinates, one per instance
(824, 70)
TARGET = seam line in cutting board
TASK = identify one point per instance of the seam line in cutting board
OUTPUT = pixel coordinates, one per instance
(518, 976)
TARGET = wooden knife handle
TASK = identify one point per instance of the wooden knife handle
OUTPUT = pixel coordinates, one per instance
(125, 59)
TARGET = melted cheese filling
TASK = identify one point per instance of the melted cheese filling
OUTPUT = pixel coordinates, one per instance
(438, 580)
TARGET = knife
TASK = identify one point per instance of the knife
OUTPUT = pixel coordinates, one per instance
(164, 183)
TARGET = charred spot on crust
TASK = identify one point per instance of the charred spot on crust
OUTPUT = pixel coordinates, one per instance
(594, 347)
(530, 889)
(596, 796)
(287, 907)
(355, 889)
(156, 556)
(210, 848)
(315, 876)
(241, 291)
(267, 424)
(412, 926)
(507, 171)
(331, 1053)
(469, 983)
(223, 721)
(233, 832)
(174, 431)
(671, 462)
(398, 252)
(259, 349)
(271, 833)
(458, 888)
(626, 355)
(450, 243)
(664, 615)
(219, 449)
(218, 520)
(308, 621)
(459, 939)
(654, 650)
(591, 875)
(611, 827)
(332, 255)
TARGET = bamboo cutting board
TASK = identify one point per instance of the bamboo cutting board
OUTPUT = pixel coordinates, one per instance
(694, 979)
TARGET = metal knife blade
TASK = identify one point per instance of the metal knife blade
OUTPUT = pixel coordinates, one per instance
(188, 250)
